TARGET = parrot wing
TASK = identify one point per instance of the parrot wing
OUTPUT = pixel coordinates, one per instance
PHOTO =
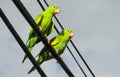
(51, 28)
(38, 20)
(54, 41)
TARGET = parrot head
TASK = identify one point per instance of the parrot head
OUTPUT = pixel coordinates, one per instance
(54, 9)
(68, 32)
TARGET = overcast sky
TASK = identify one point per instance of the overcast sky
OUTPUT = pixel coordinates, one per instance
(96, 25)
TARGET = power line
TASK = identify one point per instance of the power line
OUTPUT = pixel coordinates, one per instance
(66, 46)
(73, 44)
(20, 42)
(82, 59)
(30, 20)
(70, 40)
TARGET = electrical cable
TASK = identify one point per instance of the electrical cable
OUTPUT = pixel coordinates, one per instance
(21, 43)
(66, 46)
(70, 40)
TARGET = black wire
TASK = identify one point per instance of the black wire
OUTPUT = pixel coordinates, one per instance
(66, 46)
(20, 42)
(71, 42)
(82, 58)
(77, 62)
(41, 5)
(32, 23)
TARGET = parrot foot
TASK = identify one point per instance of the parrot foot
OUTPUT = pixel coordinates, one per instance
(48, 40)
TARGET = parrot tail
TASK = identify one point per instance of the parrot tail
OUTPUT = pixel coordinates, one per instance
(32, 69)
(24, 58)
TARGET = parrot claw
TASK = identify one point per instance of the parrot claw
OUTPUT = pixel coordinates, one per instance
(48, 40)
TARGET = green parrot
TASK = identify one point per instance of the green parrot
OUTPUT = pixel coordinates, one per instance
(44, 21)
(59, 43)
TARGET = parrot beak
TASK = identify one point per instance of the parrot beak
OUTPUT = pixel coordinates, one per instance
(71, 35)
(57, 11)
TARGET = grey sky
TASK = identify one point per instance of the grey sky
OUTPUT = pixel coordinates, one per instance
(96, 25)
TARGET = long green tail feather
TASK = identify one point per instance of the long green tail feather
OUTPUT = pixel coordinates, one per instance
(32, 69)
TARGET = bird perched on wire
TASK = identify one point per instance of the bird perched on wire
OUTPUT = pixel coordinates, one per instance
(44, 21)
(59, 43)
